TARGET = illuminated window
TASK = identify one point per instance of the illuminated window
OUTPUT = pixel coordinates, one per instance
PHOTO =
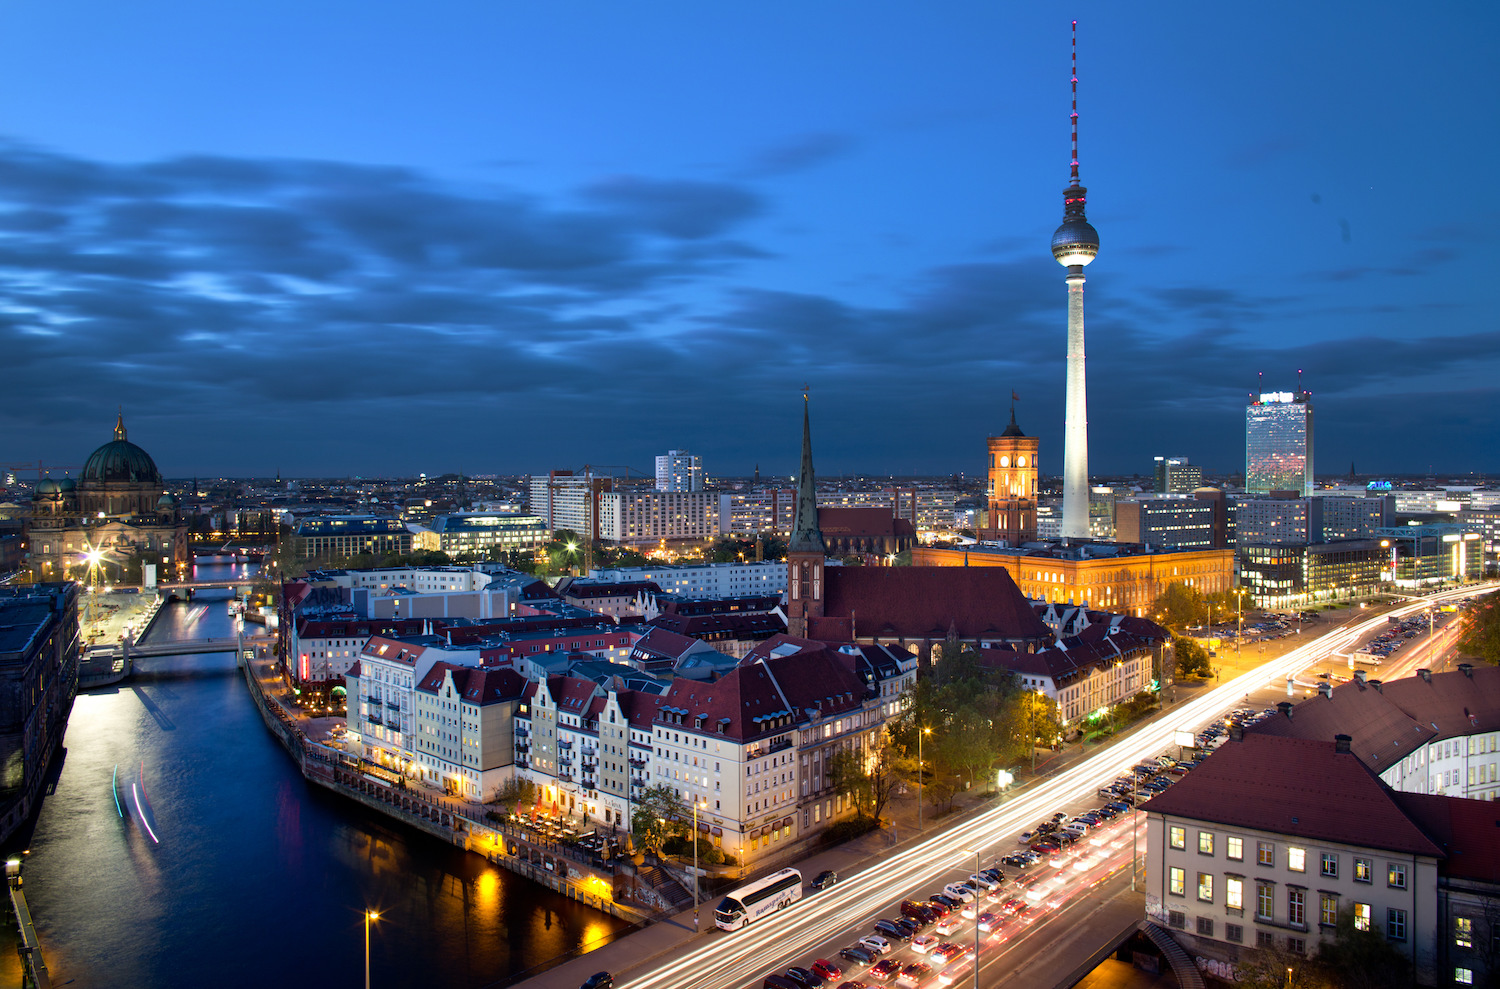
(1296, 859)
(1205, 887)
(1178, 837)
(1178, 886)
(1234, 848)
(1265, 853)
(1234, 893)
(1395, 876)
(1205, 842)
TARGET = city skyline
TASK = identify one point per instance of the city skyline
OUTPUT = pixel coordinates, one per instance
(326, 245)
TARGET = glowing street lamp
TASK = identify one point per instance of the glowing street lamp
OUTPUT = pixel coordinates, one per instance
(369, 916)
(924, 731)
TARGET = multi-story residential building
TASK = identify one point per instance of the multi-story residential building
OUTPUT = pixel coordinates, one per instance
(762, 509)
(39, 641)
(1270, 839)
(464, 735)
(616, 599)
(336, 536)
(1098, 661)
(642, 517)
(1279, 443)
(1169, 523)
(487, 534)
(679, 470)
(703, 580)
(323, 650)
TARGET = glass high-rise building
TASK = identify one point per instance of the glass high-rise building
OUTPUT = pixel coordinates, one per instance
(1279, 443)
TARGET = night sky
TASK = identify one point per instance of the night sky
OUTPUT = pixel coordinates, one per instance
(500, 237)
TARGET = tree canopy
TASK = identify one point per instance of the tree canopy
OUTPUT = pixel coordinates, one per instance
(1481, 634)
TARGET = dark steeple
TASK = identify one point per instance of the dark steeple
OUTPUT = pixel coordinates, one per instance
(1012, 429)
(806, 536)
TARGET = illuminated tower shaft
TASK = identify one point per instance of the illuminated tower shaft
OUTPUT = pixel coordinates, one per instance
(1074, 245)
(1075, 520)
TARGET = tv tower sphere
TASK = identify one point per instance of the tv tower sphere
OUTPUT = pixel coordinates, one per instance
(1076, 241)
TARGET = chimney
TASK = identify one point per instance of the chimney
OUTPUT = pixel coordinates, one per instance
(1341, 743)
(1425, 674)
(1285, 707)
(1360, 676)
(1326, 689)
(1376, 685)
(1467, 669)
(1236, 732)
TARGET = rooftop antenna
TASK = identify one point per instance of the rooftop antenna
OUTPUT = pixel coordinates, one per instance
(1299, 381)
(1075, 104)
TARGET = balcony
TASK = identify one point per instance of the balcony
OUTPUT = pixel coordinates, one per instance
(393, 705)
(374, 719)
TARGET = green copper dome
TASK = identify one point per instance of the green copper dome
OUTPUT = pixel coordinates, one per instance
(120, 460)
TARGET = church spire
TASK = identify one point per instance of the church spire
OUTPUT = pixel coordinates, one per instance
(806, 536)
(120, 425)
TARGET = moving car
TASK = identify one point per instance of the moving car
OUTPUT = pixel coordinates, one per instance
(884, 969)
(914, 975)
(924, 943)
(989, 922)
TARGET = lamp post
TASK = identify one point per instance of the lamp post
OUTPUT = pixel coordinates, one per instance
(695, 863)
(369, 916)
(920, 733)
(977, 868)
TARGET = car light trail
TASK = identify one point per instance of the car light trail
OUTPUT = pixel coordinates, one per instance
(743, 957)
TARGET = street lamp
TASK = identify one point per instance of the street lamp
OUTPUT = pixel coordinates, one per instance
(696, 803)
(369, 916)
(920, 733)
(977, 868)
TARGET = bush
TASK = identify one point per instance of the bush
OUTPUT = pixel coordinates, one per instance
(842, 831)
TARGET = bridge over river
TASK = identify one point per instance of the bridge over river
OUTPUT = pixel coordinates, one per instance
(106, 665)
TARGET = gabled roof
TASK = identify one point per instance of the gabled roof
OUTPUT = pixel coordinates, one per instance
(1389, 721)
(742, 705)
(1297, 787)
(1468, 831)
(662, 643)
(925, 602)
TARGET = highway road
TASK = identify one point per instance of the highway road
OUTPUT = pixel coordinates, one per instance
(825, 922)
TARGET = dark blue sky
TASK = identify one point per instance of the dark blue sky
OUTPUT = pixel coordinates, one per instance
(376, 238)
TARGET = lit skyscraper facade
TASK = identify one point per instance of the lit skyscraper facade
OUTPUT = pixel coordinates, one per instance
(1279, 443)
(1074, 245)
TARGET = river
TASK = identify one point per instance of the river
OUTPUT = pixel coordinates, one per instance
(256, 877)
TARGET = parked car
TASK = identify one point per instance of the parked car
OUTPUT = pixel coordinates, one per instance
(1046, 847)
(599, 980)
(940, 907)
(858, 954)
(825, 879)
(918, 911)
(827, 970)
(947, 899)
(924, 943)
(805, 977)
(959, 892)
(884, 969)
(890, 929)
(877, 944)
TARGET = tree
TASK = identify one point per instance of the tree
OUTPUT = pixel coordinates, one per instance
(1361, 959)
(658, 816)
(1179, 606)
(1481, 636)
(1192, 659)
(847, 775)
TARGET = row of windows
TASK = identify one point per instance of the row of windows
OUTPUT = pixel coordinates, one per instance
(1296, 857)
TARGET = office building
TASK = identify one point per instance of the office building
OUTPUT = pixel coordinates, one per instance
(1279, 443)
(679, 470)
(338, 536)
(1174, 475)
(1165, 523)
(483, 534)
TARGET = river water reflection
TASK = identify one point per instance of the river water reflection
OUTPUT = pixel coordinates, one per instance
(257, 877)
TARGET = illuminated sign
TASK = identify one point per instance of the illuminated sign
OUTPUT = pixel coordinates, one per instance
(1378, 486)
(1184, 738)
(1277, 396)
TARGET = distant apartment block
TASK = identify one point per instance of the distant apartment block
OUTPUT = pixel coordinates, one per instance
(703, 580)
(679, 470)
(1169, 523)
(486, 533)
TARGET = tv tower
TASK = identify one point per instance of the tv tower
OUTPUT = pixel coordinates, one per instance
(1074, 245)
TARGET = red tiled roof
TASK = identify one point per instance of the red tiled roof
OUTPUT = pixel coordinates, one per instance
(1390, 722)
(740, 624)
(924, 602)
(662, 642)
(1297, 787)
(737, 700)
(873, 522)
(570, 694)
(1468, 831)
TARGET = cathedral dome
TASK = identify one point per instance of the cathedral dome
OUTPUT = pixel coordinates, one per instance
(46, 487)
(66, 485)
(167, 502)
(120, 460)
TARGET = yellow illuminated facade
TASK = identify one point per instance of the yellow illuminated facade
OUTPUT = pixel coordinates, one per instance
(1109, 583)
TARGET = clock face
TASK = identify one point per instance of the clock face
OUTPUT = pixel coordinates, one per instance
(1020, 461)
(1004, 461)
